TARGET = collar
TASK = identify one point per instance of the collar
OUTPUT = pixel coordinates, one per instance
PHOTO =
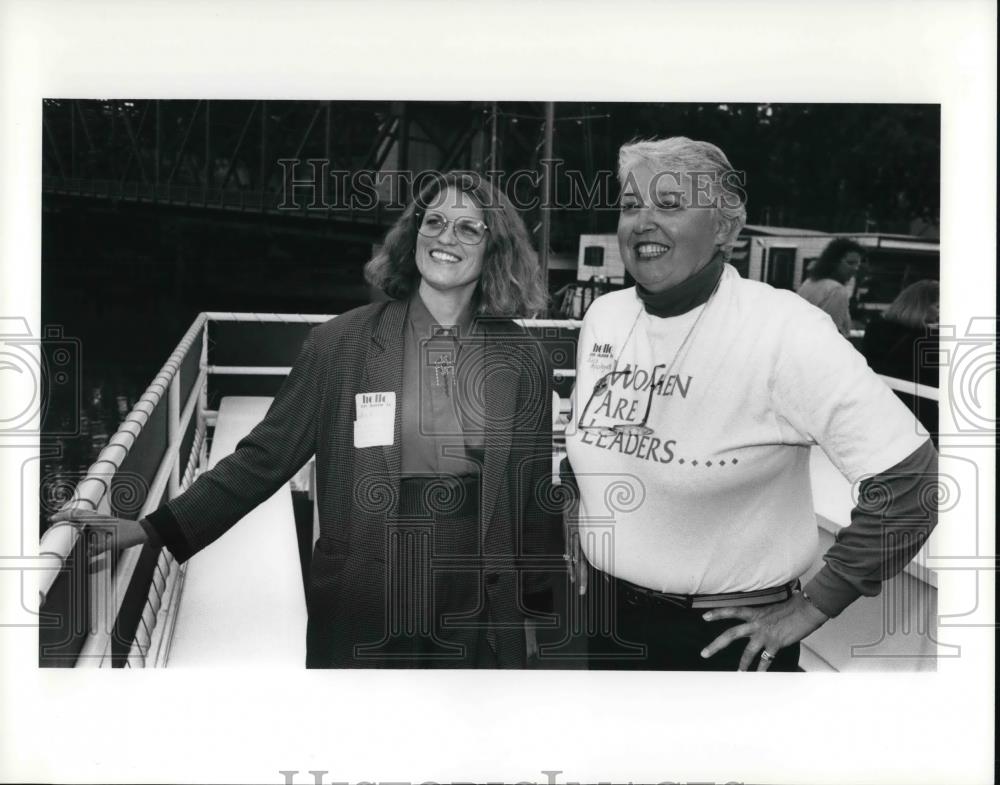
(424, 324)
(685, 296)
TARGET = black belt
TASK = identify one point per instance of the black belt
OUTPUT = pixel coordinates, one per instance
(447, 496)
(640, 594)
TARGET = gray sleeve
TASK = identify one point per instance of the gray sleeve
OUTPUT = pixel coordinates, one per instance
(896, 512)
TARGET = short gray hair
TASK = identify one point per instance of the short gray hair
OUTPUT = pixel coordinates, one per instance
(680, 153)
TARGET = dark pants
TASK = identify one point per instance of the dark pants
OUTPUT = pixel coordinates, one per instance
(640, 633)
(437, 605)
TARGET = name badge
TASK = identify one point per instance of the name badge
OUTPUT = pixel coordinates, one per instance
(601, 357)
(376, 419)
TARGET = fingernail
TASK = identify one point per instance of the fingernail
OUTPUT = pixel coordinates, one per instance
(707, 616)
(704, 652)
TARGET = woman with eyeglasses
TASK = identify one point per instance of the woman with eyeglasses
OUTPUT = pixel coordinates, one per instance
(827, 279)
(699, 395)
(430, 419)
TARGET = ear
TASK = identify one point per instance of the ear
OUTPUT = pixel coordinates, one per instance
(722, 227)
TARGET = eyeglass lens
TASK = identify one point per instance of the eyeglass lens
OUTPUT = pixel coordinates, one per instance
(467, 230)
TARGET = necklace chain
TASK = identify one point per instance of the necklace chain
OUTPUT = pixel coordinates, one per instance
(680, 348)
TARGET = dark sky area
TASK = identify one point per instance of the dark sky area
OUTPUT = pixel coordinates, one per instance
(126, 267)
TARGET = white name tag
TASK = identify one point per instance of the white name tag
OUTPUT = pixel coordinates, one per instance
(376, 419)
(372, 433)
(601, 357)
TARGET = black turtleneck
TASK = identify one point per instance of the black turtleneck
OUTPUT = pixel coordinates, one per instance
(688, 294)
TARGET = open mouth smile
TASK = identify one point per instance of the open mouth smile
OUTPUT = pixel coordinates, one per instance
(443, 256)
(645, 251)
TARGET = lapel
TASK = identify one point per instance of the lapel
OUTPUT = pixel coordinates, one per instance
(383, 372)
(500, 415)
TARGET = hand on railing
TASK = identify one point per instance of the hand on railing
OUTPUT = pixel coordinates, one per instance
(106, 531)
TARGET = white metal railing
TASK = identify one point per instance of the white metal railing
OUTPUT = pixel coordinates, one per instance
(268, 318)
(250, 370)
(913, 388)
(91, 493)
(156, 625)
(319, 318)
(155, 628)
(108, 586)
(108, 590)
(152, 636)
(109, 581)
(284, 370)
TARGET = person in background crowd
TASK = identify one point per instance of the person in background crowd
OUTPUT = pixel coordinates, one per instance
(903, 343)
(430, 418)
(699, 397)
(826, 281)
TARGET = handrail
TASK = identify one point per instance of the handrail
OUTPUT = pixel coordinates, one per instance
(155, 625)
(284, 318)
(913, 388)
(319, 318)
(250, 370)
(95, 649)
(58, 541)
(153, 638)
(572, 324)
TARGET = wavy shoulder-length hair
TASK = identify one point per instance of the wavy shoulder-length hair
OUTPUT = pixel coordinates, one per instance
(826, 265)
(511, 282)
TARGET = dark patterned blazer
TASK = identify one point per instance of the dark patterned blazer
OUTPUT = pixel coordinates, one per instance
(358, 488)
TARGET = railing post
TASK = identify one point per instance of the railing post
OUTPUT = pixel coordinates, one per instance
(203, 393)
(102, 595)
(173, 434)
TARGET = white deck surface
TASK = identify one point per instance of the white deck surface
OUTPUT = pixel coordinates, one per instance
(242, 603)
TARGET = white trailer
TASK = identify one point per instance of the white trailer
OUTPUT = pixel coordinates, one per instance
(781, 255)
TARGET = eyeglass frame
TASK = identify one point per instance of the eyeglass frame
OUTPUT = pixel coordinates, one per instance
(421, 215)
(607, 380)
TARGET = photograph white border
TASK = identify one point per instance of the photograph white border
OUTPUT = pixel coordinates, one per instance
(242, 725)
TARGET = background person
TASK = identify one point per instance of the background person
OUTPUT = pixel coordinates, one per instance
(699, 396)
(430, 420)
(827, 278)
(903, 343)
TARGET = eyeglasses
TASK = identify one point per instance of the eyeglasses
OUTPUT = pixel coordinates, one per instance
(602, 386)
(468, 231)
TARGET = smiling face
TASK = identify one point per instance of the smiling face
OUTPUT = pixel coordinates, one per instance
(662, 236)
(445, 263)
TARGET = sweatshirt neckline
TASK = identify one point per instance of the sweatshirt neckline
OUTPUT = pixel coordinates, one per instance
(685, 296)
